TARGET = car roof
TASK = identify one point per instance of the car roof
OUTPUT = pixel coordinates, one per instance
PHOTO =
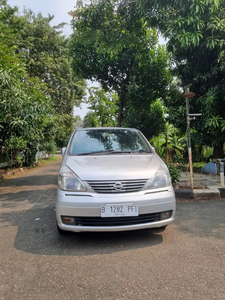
(107, 128)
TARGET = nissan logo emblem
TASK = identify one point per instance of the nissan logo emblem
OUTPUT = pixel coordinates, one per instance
(118, 186)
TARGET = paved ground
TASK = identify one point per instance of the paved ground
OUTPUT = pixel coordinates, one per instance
(206, 187)
(187, 261)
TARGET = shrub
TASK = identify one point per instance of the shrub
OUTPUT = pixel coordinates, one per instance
(174, 173)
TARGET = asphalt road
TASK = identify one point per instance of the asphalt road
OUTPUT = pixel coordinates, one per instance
(187, 261)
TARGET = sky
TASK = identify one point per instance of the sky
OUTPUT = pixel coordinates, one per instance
(60, 9)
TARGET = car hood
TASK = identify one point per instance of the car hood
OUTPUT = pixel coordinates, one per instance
(110, 167)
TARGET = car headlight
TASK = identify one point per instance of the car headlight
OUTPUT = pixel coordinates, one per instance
(68, 181)
(161, 178)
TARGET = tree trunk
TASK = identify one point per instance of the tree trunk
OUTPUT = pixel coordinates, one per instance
(167, 153)
(123, 94)
(218, 151)
(121, 107)
(167, 150)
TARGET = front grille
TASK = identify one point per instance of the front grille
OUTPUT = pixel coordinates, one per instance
(117, 186)
(117, 221)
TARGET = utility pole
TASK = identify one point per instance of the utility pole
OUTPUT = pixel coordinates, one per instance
(187, 96)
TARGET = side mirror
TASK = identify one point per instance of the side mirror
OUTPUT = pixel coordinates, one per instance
(63, 151)
(153, 149)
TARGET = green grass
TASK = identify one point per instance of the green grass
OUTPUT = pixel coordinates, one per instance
(53, 157)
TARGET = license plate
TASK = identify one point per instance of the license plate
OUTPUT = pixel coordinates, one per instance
(112, 210)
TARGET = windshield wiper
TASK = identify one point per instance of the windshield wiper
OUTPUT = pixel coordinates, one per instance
(112, 152)
(97, 152)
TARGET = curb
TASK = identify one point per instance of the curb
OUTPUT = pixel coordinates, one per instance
(222, 192)
(210, 193)
(184, 193)
(14, 172)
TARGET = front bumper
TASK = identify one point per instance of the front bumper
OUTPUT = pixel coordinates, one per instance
(89, 205)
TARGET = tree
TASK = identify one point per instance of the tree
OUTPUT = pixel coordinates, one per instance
(47, 57)
(26, 118)
(91, 120)
(150, 120)
(170, 144)
(45, 52)
(67, 124)
(195, 30)
(104, 105)
(38, 88)
(119, 51)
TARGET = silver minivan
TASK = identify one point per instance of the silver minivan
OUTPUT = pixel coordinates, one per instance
(111, 179)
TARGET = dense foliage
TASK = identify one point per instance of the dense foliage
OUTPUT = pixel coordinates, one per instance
(114, 42)
(120, 52)
(103, 109)
(38, 88)
(26, 118)
(195, 32)
(174, 173)
(47, 57)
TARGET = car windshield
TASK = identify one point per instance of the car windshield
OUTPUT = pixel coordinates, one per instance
(108, 141)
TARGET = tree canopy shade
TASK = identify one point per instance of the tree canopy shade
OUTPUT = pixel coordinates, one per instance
(118, 50)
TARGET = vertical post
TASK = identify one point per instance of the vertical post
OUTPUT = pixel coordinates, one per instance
(189, 141)
(221, 172)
